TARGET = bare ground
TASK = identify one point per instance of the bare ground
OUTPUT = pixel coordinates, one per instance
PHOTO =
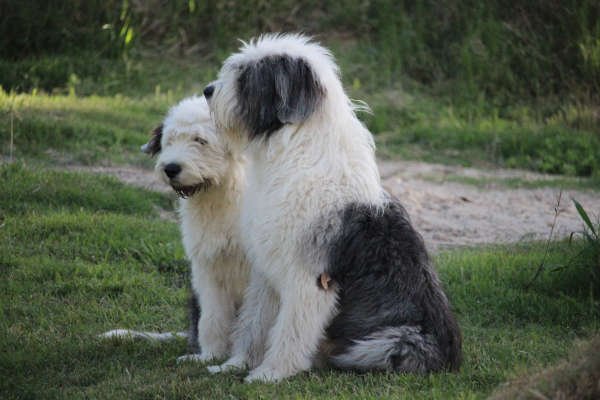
(450, 214)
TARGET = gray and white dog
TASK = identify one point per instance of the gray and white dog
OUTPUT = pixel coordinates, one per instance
(209, 179)
(315, 207)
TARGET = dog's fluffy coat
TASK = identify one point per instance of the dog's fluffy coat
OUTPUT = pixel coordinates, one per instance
(210, 180)
(315, 205)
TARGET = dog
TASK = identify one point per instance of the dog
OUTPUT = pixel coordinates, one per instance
(209, 179)
(315, 208)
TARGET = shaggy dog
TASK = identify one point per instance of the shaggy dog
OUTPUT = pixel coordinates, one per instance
(315, 208)
(209, 177)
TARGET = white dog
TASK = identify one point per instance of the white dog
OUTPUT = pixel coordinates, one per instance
(209, 178)
(315, 207)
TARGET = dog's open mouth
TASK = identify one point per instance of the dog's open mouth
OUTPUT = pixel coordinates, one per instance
(187, 191)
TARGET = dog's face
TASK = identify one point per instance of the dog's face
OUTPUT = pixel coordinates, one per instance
(272, 82)
(191, 157)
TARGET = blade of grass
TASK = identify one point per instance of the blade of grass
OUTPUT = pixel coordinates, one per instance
(585, 217)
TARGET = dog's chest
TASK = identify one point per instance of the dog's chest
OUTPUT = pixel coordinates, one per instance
(206, 231)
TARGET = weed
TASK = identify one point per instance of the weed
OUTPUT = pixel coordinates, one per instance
(542, 264)
(589, 256)
(583, 263)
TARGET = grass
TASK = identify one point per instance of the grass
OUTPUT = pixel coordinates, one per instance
(73, 266)
(92, 121)
(563, 182)
(574, 378)
(81, 254)
(90, 130)
(409, 122)
(491, 84)
(525, 49)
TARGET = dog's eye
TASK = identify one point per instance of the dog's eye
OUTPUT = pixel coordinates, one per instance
(200, 140)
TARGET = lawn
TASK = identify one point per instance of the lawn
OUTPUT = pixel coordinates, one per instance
(81, 254)
(102, 119)
(487, 86)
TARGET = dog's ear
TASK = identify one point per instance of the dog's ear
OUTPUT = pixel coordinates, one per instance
(153, 145)
(275, 91)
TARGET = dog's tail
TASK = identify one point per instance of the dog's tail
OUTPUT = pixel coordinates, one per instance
(151, 336)
(434, 346)
(402, 348)
(191, 335)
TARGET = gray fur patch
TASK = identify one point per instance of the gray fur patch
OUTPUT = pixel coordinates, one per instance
(393, 312)
(275, 91)
(402, 349)
(153, 146)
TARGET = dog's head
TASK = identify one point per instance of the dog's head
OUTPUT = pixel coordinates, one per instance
(191, 156)
(272, 82)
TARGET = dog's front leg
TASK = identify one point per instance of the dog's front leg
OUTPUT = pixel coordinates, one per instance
(294, 339)
(257, 314)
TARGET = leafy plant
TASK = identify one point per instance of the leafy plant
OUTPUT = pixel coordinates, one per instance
(585, 254)
(590, 255)
(592, 235)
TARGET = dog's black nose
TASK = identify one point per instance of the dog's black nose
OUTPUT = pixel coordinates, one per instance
(208, 91)
(172, 170)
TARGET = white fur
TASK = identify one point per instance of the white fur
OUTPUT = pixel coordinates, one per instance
(208, 219)
(131, 334)
(301, 174)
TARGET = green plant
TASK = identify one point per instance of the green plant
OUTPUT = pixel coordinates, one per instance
(526, 50)
(584, 256)
(590, 254)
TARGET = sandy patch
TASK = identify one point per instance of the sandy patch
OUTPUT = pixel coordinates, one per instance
(451, 214)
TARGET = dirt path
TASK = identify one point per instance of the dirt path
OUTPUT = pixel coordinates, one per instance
(451, 214)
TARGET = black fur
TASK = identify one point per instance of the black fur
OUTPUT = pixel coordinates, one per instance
(274, 91)
(386, 281)
(194, 317)
(153, 146)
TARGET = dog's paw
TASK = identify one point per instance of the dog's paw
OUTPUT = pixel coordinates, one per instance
(189, 358)
(266, 375)
(214, 369)
(201, 358)
(231, 365)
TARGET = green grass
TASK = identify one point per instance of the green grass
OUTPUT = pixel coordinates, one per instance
(73, 266)
(88, 109)
(481, 85)
(37, 189)
(523, 49)
(90, 130)
(573, 378)
(85, 128)
(562, 182)
(486, 84)
(413, 123)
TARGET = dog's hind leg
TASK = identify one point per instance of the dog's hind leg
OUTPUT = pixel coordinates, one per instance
(257, 314)
(293, 340)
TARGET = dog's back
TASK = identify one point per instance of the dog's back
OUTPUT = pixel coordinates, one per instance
(393, 314)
